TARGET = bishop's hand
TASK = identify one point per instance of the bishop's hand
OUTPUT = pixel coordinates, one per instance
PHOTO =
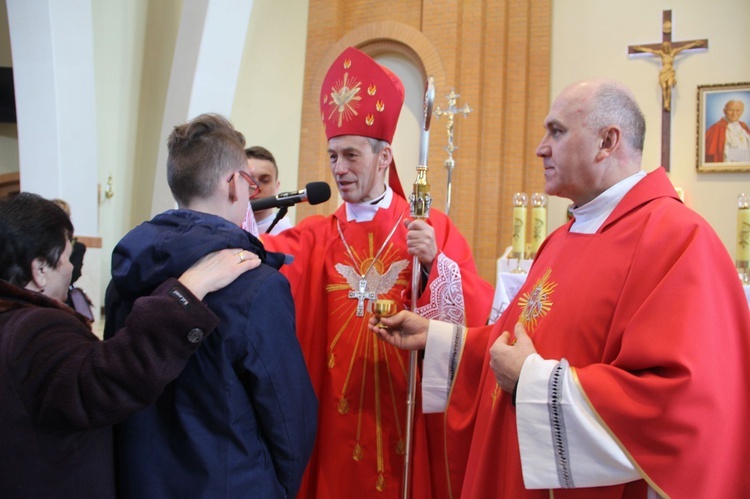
(420, 242)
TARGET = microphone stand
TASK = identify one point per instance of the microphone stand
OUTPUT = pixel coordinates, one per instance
(279, 215)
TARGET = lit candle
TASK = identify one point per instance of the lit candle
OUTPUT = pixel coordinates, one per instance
(538, 221)
(743, 231)
(520, 202)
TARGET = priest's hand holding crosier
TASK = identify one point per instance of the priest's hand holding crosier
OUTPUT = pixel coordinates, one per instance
(405, 330)
(383, 308)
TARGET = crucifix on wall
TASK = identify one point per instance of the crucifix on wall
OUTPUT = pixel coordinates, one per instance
(667, 50)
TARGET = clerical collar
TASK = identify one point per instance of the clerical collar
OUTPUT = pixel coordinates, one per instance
(591, 216)
(365, 212)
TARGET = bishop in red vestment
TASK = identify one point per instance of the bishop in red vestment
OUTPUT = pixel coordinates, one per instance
(342, 263)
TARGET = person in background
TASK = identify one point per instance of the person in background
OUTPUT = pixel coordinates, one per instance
(240, 419)
(344, 262)
(263, 167)
(76, 258)
(61, 388)
(620, 368)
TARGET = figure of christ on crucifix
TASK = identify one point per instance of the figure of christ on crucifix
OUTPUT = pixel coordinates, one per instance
(667, 51)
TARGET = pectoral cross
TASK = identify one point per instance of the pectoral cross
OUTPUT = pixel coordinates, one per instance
(361, 295)
(667, 50)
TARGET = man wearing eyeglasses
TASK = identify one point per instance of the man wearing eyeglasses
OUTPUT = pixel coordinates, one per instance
(241, 418)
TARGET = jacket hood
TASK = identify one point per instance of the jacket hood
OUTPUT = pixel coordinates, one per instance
(172, 242)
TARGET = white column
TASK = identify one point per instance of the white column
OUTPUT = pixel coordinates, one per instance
(53, 71)
(204, 73)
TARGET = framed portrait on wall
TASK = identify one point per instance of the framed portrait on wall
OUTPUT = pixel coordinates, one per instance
(723, 130)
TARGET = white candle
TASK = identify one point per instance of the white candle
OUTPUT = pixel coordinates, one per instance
(520, 202)
(538, 221)
(743, 231)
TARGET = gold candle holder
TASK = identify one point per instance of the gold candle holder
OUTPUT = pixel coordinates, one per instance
(538, 221)
(743, 236)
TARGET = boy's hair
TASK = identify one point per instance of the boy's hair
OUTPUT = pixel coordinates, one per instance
(201, 152)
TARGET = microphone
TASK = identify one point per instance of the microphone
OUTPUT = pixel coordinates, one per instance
(313, 193)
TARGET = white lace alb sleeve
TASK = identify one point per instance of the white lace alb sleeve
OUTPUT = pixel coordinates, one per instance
(446, 294)
(562, 443)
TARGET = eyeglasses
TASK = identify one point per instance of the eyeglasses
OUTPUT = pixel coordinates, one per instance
(253, 187)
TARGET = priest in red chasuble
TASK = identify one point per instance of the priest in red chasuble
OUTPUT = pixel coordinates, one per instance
(622, 366)
(342, 263)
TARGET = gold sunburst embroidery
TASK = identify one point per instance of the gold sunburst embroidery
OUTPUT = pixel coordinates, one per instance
(369, 362)
(535, 304)
(495, 394)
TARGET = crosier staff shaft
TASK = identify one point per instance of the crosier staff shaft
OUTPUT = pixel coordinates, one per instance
(420, 208)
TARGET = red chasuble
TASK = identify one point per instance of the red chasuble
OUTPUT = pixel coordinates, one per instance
(650, 314)
(361, 382)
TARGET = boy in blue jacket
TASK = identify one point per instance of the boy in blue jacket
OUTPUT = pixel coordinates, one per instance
(240, 420)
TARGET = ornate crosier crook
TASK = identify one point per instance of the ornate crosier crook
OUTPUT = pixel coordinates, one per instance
(450, 163)
(420, 208)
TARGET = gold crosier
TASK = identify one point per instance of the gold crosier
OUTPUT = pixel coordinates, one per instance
(420, 200)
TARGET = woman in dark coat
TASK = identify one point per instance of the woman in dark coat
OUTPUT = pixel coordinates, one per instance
(61, 388)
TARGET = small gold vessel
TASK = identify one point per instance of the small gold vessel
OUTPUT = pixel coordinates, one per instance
(383, 308)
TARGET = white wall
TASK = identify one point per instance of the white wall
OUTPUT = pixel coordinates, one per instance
(119, 37)
(268, 102)
(590, 38)
(8, 131)
(134, 46)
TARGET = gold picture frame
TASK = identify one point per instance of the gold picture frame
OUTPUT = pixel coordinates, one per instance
(717, 106)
